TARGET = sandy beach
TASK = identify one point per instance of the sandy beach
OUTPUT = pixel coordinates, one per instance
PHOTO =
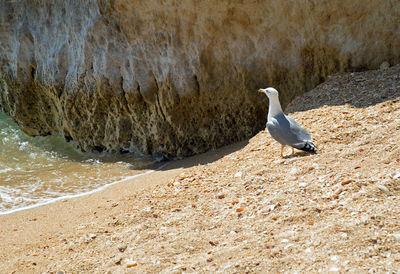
(242, 208)
(25, 231)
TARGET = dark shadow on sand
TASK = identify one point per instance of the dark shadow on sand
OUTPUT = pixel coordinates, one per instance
(206, 157)
(358, 89)
(297, 154)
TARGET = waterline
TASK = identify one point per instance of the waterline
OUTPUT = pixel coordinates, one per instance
(39, 170)
(73, 196)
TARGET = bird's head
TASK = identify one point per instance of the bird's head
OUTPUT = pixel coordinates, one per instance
(270, 92)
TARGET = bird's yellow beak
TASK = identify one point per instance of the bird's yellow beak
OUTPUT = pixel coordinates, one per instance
(260, 90)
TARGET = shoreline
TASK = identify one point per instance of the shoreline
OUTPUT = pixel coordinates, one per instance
(173, 165)
(73, 196)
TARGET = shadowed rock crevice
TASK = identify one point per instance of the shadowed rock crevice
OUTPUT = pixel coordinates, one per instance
(176, 78)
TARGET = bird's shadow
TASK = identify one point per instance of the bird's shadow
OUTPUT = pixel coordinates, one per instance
(298, 154)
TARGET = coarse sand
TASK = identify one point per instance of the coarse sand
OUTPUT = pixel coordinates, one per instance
(243, 208)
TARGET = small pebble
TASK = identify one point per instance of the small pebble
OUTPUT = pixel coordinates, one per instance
(308, 250)
(272, 207)
(221, 196)
(384, 65)
(181, 267)
(384, 189)
(346, 182)
(288, 246)
(238, 174)
(118, 260)
(334, 269)
(396, 236)
(338, 191)
(122, 248)
(334, 258)
(396, 175)
(131, 263)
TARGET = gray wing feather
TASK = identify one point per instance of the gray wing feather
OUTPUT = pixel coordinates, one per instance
(287, 131)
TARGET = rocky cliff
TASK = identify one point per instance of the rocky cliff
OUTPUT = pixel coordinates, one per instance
(176, 77)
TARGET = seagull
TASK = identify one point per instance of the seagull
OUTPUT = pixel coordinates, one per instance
(285, 129)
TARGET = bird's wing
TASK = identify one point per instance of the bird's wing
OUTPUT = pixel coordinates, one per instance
(299, 131)
(287, 131)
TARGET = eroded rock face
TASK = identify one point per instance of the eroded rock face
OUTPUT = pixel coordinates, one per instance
(176, 77)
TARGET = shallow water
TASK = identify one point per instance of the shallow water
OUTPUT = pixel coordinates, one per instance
(36, 170)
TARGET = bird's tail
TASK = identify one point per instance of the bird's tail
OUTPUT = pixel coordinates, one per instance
(308, 146)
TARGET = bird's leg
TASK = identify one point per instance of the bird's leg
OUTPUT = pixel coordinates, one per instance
(282, 150)
(292, 150)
